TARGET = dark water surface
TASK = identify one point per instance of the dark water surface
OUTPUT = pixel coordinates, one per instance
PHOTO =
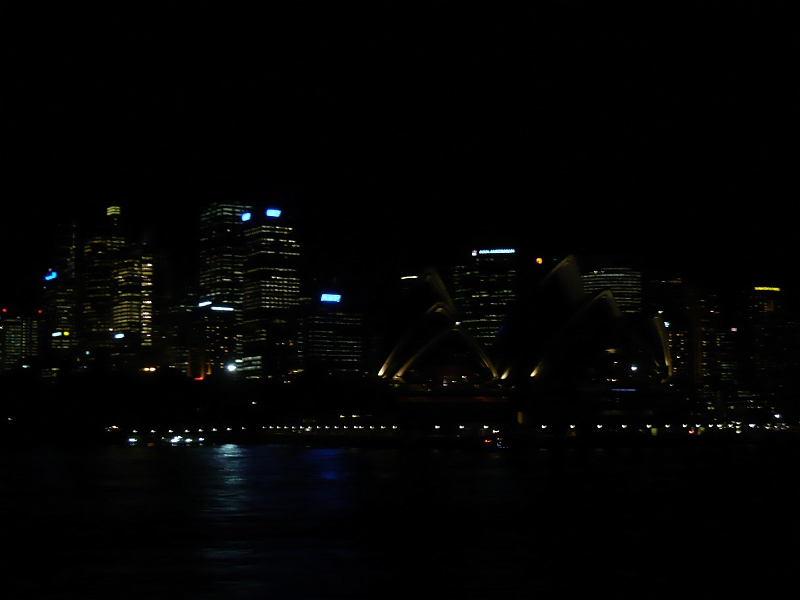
(245, 522)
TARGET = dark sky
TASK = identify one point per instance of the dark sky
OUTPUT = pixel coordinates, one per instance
(402, 131)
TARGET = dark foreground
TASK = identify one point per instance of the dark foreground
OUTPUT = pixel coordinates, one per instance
(238, 521)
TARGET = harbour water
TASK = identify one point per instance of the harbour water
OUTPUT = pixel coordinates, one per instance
(271, 521)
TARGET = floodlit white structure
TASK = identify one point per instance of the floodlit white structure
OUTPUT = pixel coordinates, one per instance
(560, 338)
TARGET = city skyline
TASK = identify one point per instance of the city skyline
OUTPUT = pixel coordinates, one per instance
(248, 305)
(408, 135)
(368, 394)
(186, 266)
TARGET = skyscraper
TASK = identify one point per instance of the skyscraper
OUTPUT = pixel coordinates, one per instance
(212, 345)
(132, 306)
(100, 254)
(222, 253)
(769, 335)
(483, 289)
(271, 293)
(618, 275)
(18, 340)
(330, 338)
(59, 297)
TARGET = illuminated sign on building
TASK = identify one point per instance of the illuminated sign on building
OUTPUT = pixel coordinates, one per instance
(494, 251)
(767, 289)
(330, 297)
(273, 212)
(223, 308)
(53, 274)
(246, 216)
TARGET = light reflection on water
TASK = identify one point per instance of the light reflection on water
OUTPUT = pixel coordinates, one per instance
(289, 522)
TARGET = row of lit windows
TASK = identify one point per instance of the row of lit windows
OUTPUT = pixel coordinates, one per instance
(279, 269)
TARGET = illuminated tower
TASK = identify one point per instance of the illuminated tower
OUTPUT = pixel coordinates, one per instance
(619, 276)
(100, 254)
(271, 293)
(18, 340)
(222, 254)
(483, 290)
(60, 294)
(132, 306)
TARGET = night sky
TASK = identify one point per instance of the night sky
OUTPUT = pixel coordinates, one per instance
(401, 133)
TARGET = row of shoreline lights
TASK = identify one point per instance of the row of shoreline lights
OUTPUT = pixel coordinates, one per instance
(437, 427)
(176, 439)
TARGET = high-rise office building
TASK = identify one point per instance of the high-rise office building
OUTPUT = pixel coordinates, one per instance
(271, 293)
(768, 336)
(178, 333)
(100, 255)
(330, 338)
(132, 305)
(216, 337)
(222, 253)
(619, 276)
(212, 347)
(18, 340)
(483, 288)
(59, 308)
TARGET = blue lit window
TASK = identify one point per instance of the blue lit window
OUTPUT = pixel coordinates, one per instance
(330, 297)
(273, 212)
(246, 216)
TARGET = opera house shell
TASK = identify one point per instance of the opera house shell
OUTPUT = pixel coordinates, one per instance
(556, 342)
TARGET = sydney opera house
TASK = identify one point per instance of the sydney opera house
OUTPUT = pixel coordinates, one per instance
(559, 353)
